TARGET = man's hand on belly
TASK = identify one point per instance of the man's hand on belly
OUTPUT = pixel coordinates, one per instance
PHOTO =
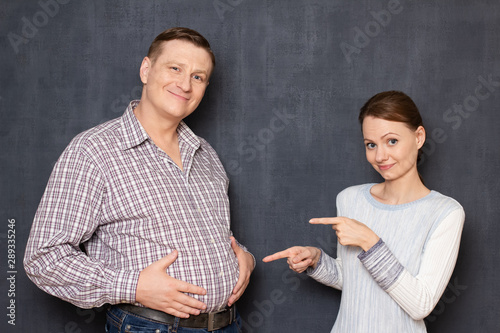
(158, 290)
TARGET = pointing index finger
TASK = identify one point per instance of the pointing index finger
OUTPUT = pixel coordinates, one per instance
(324, 220)
(277, 255)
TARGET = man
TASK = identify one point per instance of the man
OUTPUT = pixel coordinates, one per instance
(148, 200)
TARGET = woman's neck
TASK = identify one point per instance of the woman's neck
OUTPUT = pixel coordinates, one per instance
(399, 191)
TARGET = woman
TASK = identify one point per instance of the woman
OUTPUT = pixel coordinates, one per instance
(398, 240)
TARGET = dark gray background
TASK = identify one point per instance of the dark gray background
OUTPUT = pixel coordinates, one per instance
(281, 110)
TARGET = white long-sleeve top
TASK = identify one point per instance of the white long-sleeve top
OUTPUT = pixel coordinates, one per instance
(393, 286)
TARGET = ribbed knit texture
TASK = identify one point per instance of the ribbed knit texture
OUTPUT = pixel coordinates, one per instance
(398, 282)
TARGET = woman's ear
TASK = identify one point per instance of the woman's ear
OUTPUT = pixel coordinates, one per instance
(420, 136)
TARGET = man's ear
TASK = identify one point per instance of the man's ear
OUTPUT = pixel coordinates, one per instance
(144, 70)
(420, 132)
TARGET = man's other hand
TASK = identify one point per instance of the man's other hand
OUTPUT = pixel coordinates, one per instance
(246, 266)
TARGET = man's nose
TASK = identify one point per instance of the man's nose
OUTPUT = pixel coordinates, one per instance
(184, 82)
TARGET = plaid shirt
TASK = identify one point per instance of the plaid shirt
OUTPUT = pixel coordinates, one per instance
(116, 192)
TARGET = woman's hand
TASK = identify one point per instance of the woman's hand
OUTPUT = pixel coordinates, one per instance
(299, 258)
(349, 231)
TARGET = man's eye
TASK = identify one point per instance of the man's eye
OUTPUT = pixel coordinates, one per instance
(175, 68)
(197, 77)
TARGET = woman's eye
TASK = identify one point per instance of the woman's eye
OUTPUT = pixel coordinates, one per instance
(370, 145)
(392, 142)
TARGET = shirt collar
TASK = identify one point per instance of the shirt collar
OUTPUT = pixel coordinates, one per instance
(132, 131)
(186, 135)
(134, 134)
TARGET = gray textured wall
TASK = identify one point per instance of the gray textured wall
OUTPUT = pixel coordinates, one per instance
(281, 112)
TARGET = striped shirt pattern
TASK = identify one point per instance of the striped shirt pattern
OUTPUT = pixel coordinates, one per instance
(394, 285)
(115, 191)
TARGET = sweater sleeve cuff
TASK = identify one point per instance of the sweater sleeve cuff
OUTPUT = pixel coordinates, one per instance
(326, 272)
(381, 263)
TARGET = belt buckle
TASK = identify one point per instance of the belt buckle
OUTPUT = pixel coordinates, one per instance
(211, 320)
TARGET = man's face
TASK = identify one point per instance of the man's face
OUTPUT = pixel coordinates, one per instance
(175, 82)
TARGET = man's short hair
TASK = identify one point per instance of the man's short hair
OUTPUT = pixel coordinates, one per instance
(187, 34)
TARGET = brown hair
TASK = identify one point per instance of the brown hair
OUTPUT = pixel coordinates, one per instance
(179, 33)
(392, 106)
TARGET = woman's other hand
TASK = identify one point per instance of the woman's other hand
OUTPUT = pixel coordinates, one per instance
(349, 231)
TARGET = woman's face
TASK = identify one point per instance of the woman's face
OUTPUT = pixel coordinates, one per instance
(392, 147)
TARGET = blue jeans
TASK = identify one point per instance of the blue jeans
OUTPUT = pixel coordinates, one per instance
(119, 321)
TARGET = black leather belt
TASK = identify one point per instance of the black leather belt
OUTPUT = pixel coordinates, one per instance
(210, 321)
